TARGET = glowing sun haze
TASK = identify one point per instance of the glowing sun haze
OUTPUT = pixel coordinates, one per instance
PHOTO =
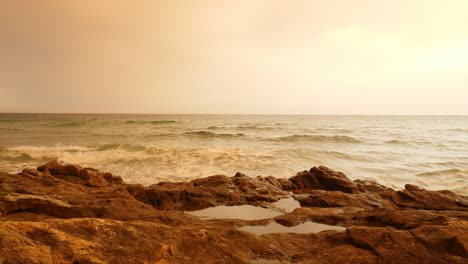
(243, 56)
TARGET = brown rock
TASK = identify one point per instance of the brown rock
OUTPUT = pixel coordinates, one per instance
(332, 180)
(414, 197)
(176, 196)
(32, 172)
(306, 181)
(322, 178)
(212, 181)
(55, 168)
(451, 238)
(437, 200)
(287, 185)
(370, 186)
(337, 199)
(92, 178)
(390, 245)
(66, 214)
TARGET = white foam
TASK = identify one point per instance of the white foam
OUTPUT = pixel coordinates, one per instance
(146, 153)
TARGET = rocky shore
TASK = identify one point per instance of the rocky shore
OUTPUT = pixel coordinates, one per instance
(68, 214)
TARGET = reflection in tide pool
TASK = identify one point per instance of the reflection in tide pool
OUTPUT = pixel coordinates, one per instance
(305, 228)
(287, 204)
(248, 212)
(243, 212)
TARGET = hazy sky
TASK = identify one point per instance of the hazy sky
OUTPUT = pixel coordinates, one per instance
(239, 56)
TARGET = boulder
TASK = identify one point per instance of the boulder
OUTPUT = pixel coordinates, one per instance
(322, 178)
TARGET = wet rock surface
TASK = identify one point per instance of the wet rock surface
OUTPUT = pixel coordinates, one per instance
(61, 213)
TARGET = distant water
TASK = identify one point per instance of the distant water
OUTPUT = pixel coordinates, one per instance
(430, 151)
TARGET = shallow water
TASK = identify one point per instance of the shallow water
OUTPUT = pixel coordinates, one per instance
(242, 212)
(286, 205)
(247, 212)
(430, 151)
(304, 228)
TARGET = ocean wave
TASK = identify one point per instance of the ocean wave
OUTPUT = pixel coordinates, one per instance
(160, 135)
(247, 124)
(449, 164)
(334, 130)
(8, 120)
(258, 128)
(317, 138)
(39, 153)
(83, 155)
(105, 147)
(458, 142)
(244, 127)
(411, 142)
(144, 165)
(446, 173)
(320, 155)
(342, 155)
(208, 134)
(128, 147)
(20, 157)
(11, 129)
(148, 164)
(249, 127)
(70, 124)
(455, 180)
(108, 135)
(153, 122)
(397, 142)
(24, 154)
(458, 129)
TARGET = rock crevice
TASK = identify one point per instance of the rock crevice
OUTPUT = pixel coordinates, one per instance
(61, 213)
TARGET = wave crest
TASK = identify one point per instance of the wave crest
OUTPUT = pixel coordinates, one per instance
(318, 138)
(153, 122)
(70, 124)
(448, 172)
(208, 134)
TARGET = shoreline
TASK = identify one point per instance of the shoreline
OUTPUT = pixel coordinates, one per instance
(149, 149)
(61, 213)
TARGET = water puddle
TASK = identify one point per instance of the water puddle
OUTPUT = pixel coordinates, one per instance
(247, 212)
(266, 261)
(304, 228)
(243, 212)
(287, 205)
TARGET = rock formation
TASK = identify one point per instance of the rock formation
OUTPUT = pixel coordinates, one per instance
(68, 214)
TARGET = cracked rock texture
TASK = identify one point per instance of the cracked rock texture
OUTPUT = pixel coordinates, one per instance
(61, 213)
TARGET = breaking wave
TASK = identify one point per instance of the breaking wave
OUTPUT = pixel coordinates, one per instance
(429, 151)
(127, 147)
(317, 138)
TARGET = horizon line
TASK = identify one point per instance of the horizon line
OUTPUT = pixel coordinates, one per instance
(226, 114)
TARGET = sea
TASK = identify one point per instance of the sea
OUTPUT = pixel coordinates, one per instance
(429, 151)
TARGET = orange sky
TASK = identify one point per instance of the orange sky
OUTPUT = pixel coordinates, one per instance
(243, 56)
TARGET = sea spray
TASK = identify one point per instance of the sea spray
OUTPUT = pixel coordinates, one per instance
(428, 151)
